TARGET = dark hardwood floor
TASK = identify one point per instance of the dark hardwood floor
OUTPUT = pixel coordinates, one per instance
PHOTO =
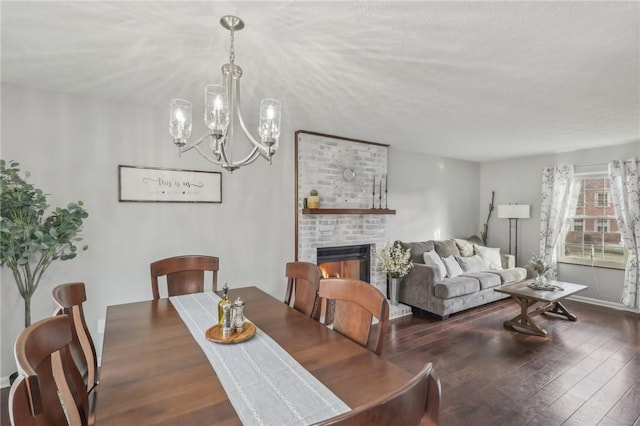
(584, 373)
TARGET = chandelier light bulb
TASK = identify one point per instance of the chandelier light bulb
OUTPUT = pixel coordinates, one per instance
(216, 109)
(270, 113)
(180, 121)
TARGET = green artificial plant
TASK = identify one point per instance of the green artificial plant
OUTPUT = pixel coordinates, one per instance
(30, 241)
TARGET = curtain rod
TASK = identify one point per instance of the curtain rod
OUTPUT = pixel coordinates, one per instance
(594, 172)
(592, 165)
(603, 164)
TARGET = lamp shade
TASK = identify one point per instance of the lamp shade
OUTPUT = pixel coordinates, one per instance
(514, 211)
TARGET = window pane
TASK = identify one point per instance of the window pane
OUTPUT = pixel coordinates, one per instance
(591, 233)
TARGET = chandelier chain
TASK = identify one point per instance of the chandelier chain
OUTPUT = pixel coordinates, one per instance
(232, 52)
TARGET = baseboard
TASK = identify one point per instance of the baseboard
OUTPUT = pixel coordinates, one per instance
(4, 382)
(604, 303)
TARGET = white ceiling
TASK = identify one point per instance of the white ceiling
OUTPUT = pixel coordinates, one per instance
(470, 80)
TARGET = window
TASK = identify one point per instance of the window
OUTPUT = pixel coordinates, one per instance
(602, 199)
(603, 225)
(591, 235)
(578, 224)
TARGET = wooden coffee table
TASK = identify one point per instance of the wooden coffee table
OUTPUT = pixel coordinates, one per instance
(527, 297)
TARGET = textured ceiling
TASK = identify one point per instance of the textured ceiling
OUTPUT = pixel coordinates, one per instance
(469, 80)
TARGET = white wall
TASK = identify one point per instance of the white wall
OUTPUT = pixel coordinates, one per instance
(73, 145)
(519, 180)
(434, 197)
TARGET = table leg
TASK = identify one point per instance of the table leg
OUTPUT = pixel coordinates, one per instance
(525, 320)
(560, 309)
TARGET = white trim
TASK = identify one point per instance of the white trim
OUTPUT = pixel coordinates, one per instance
(604, 303)
(4, 382)
(398, 311)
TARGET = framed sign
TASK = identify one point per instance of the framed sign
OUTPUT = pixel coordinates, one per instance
(148, 184)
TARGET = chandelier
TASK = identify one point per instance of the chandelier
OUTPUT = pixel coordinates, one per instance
(221, 107)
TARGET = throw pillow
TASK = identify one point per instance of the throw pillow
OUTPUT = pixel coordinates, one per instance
(472, 263)
(453, 268)
(465, 247)
(431, 258)
(416, 249)
(491, 256)
(446, 248)
(475, 240)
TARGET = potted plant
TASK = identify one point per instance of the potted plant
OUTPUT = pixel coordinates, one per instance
(30, 241)
(313, 201)
(540, 267)
(396, 263)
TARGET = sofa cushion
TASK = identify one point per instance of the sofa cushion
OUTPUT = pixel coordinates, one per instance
(417, 249)
(446, 248)
(509, 276)
(454, 287)
(491, 256)
(431, 258)
(486, 279)
(452, 265)
(472, 263)
(464, 246)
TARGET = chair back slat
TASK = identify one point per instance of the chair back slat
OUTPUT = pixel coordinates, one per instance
(356, 303)
(303, 280)
(184, 274)
(70, 297)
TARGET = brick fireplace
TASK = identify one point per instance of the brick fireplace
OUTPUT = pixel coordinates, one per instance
(321, 162)
(343, 170)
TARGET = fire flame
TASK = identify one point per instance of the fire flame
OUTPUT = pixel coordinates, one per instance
(327, 274)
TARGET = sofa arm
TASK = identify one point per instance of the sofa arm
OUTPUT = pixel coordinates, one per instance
(416, 288)
(508, 261)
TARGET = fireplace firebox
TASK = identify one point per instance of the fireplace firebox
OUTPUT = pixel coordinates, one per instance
(345, 261)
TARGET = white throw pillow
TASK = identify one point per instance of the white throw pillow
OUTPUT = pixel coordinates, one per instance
(465, 247)
(472, 263)
(431, 258)
(491, 257)
(452, 265)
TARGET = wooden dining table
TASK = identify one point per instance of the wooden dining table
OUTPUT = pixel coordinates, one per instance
(154, 372)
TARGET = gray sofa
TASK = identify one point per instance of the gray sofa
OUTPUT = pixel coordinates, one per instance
(426, 289)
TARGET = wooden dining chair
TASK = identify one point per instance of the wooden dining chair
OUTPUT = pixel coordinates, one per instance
(70, 297)
(51, 390)
(185, 274)
(18, 406)
(414, 404)
(356, 303)
(303, 281)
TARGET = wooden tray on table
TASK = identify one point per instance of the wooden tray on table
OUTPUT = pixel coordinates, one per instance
(214, 334)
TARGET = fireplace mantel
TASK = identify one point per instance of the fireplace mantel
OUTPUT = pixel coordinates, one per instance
(348, 211)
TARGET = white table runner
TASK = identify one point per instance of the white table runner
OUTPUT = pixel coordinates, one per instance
(265, 385)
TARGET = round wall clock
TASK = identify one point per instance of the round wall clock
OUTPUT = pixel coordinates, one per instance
(349, 174)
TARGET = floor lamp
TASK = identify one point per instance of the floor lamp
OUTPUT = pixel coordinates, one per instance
(513, 212)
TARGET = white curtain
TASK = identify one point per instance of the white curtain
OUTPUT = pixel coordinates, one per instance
(557, 193)
(623, 179)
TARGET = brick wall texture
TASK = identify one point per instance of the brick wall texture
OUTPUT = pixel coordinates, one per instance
(322, 162)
